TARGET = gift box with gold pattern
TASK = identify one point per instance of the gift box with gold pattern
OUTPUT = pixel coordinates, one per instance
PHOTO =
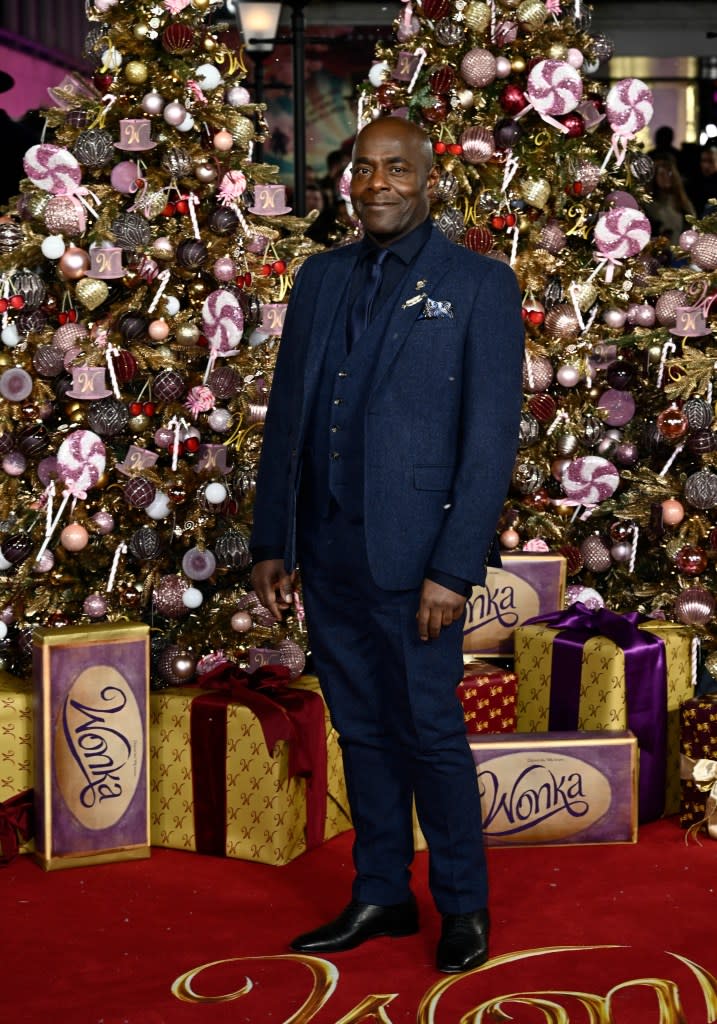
(487, 694)
(571, 675)
(265, 810)
(698, 736)
(16, 729)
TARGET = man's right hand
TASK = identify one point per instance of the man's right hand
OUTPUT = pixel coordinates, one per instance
(273, 585)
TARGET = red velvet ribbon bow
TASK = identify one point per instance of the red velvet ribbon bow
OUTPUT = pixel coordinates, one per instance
(16, 824)
(284, 713)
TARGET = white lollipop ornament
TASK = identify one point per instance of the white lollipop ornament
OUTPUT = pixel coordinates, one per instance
(53, 169)
(589, 480)
(629, 107)
(554, 88)
(222, 325)
(619, 233)
(81, 461)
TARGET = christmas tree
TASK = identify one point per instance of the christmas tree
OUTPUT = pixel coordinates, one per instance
(541, 168)
(145, 268)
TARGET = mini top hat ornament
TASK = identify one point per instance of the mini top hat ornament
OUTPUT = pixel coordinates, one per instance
(270, 200)
(135, 135)
(691, 321)
(88, 383)
(105, 263)
(136, 460)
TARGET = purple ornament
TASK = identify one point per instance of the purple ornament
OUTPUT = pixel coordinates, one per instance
(124, 177)
(15, 384)
(167, 597)
(94, 606)
(619, 407)
(14, 463)
(104, 522)
(199, 564)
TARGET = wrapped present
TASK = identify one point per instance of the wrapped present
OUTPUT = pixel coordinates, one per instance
(555, 788)
(526, 585)
(16, 732)
(487, 693)
(698, 738)
(91, 781)
(16, 824)
(589, 670)
(228, 776)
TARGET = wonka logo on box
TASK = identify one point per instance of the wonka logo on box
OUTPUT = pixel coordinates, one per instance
(98, 730)
(540, 797)
(493, 611)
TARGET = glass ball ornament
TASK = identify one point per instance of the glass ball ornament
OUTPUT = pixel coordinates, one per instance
(232, 550)
(694, 606)
(529, 430)
(45, 563)
(537, 373)
(292, 657)
(16, 547)
(108, 417)
(527, 477)
(14, 463)
(621, 375)
(168, 386)
(691, 560)
(219, 420)
(223, 141)
(543, 407)
(667, 305)
(241, 622)
(509, 539)
(74, 537)
(193, 598)
(104, 521)
(215, 493)
(94, 606)
(175, 665)
(567, 375)
(698, 413)
(153, 103)
(198, 564)
(672, 424)
(167, 596)
(627, 454)
(703, 252)
(595, 554)
(74, 263)
(174, 113)
(139, 492)
(161, 506)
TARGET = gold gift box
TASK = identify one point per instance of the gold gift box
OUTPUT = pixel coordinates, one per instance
(16, 731)
(602, 686)
(266, 811)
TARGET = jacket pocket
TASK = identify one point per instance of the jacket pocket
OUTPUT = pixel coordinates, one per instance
(433, 478)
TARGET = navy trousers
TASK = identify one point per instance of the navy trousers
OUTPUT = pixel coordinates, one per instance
(392, 699)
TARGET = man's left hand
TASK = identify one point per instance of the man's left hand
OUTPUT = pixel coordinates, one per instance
(438, 607)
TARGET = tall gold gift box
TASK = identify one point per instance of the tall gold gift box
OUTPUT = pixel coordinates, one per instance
(266, 810)
(16, 729)
(602, 686)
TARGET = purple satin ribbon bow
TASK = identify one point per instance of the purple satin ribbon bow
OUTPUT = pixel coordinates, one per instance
(645, 687)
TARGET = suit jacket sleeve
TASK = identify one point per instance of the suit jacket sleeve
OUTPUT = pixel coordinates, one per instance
(490, 420)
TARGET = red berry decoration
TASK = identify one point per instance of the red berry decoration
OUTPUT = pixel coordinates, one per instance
(103, 82)
(62, 317)
(135, 408)
(536, 316)
(510, 220)
(455, 148)
(497, 221)
(169, 210)
(17, 302)
(149, 408)
(278, 267)
(192, 444)
(265, 270)
(439, 147)
(182, 206)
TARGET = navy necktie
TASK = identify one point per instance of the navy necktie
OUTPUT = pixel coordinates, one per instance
(362, 308)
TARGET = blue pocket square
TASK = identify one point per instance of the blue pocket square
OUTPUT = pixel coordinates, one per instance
(436, 309)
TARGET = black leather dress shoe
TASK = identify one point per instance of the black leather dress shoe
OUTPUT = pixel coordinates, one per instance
(357, 923)
(464, 942)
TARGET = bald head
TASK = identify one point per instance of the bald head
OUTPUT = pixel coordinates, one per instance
(403, 132)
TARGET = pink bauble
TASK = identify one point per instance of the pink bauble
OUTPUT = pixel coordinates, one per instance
(14, 463)
(94, 606)
(575, 58)
(509, 539)
(167, 596)
(74, 537)
(614, 318)
(618, 407)
(478, 144)
(703, 252)
(158, 330)
(74, 262)
(152, 103)
(104, 522)
(124, 177)
(478, 67)
(694, 606)
(224, 269)
(174, 113)
(223, 141)
(688, 239)
(554, 87)
(16, 384)
(503, 67)
(237, 96)
(45, 563)
(241, 622)
(567, 376)
(673, 512)
(65, 215)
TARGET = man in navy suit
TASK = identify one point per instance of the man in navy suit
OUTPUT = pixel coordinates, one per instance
(388, 449)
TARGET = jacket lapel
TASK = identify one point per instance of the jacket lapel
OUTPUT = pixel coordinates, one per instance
(432, 265)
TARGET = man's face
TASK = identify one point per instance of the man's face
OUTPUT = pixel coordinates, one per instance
(391, 180)
(708, 162)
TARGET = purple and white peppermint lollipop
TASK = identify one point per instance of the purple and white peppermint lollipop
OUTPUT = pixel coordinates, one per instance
(590, 479)
(53, 169)
(554, 88)
(222, 321)
(629, 107)
(621, 232)
(81, 460)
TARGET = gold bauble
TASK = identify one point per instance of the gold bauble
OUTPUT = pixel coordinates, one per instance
(198, 290)
(585, 294)
(70, 408)
(532, 14)
(35, 204)
(136, 72)
(517, 64)
(557, 51)
(140, 31)
(239, 127)
(209, 44)
(91, 293)
(477, 16)
(6, 359)
(524, 225)
(102, 482)
(654, 353)
(187, 334)
(138, 424)
(535, 191)
(153, 204)
(200, 5)
(466, 98)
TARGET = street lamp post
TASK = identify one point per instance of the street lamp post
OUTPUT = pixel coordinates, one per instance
(258, 24)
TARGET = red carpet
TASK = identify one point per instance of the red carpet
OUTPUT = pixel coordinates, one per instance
(581, 935)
